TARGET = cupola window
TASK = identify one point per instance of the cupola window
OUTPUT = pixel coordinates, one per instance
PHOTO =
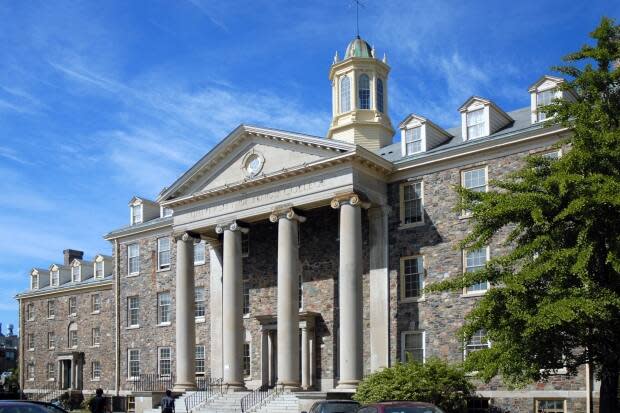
(345, 94)
(475, 124)
(380, 95)
(364, 92)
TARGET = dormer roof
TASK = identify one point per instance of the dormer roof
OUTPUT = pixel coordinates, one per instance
(543, 79)
(424, 120)
(136, 200)
(484, 101)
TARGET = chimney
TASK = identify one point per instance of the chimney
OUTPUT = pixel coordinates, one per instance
(70, 255)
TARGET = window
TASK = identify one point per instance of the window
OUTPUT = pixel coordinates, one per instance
(163, 253)
(95, 303)
(76, 272)
(30, 312)
(51, 340)
(246, 359)
(199, 302)
(300, 291)
(72, 306)
(199, 253)
(345, 94)
(73, 336)
(131, 404)
(55, 277)
(200, 359)
(136, 214)
(550, 406)
(245, 244)
(163, 308)
(30, 341)
(133, 356)
(51, 309)
(543, 98)
(364, 92)
(477, 342)
(475, 124)
(412, 346)
(166, 212)
(246, 297)
(133, 311)
(412, 205)
(51, 373)
(475, 179)
(96, 337)
(413, 140)
(475, 260)
(99, 270)
(164, 361)
(30, 371)
(380, 95)
(95, 368)
(553, 155)
(412, 277)
(133, 259)
(34, 281)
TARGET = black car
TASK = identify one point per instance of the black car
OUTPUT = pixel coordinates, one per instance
(333, 406)
(24, 406)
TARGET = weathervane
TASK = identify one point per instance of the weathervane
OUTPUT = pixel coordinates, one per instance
(358, 3)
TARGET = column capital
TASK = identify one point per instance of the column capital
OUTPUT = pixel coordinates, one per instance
(288, 213)
(232, 226)
(187, 236)
(351, 198)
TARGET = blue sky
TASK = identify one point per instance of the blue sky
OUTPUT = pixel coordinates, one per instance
(103, 100)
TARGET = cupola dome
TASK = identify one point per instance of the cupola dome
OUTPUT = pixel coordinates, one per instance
(358, 48)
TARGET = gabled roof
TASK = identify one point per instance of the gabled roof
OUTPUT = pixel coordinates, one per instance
(142, 200)
(103, 257)
(542, 80)
(486, 102)
(59, 266)
(39, 271)
(422, 119)
(236, 137)
(80, 262)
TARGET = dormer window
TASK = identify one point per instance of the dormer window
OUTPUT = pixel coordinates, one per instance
(34, 281)
(413, 140)
(166, 212)
(475, 124)
(136, 214)
(76, 272)
(543, 98)
(543, 92)
(99, 270)
(54, 278)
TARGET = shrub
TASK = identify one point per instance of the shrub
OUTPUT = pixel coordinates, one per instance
(435, 381)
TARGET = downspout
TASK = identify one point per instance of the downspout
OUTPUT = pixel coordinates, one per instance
(117, 299)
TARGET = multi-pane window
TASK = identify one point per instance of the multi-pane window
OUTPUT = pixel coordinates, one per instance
(543, 98)
(133, 356)
(345, 94)
(380, 95)
(199, 253)
(51, 372)
(34, 281)
(166, 212)
(412, 278)
(413, 140)
(96, 336)
(76, 273)
(133, 259)
(164, 361)
(478, 341)
(55, 278)
(51, 309)
(99, 270)
(133, 311)
(73, 335)
(30, 341)
(136, 214)
(475, 179)
(475, 123)
(30, 312)
(200, 359)
(245, 244)
(163, 253)
(95, 303)
(412, 344)
(246, 359)
(30, 371)
(199, 302)
(246, 297)
(51, 340)
(364, 92)
(475, 260)
(163, 307)
(412, 205)
(72, 305)
(131, 404)
(550, 406)
(95, 368)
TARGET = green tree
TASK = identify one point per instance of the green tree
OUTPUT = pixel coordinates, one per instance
(435, 382)
(556, 296)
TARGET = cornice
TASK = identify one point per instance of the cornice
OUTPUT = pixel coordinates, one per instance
(64, 289)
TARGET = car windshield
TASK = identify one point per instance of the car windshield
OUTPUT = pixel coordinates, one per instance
(338, 408)
(416, 409)
(21, 408)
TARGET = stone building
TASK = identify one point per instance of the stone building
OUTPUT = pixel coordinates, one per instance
(283, 258)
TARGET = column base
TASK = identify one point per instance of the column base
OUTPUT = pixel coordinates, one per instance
(348, 384)
(183, 387)
(233, 387)
(290, 385)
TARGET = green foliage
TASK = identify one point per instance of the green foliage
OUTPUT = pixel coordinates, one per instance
(435, 382)
(556, 296)
(87, 403)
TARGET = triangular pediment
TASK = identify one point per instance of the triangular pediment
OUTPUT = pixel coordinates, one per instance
(249, 154)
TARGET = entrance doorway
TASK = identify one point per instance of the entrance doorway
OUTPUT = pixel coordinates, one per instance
(66, 373)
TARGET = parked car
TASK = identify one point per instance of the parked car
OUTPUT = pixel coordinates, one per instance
(333, 406)
(19, 406)
(400, 407)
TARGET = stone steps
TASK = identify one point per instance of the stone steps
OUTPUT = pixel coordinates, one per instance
(226, 403)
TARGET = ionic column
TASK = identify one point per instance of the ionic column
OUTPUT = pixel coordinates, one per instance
(288, 299)
(185, 324)
(350, 290)
(215, 307)
(305, 358)
(232, 303)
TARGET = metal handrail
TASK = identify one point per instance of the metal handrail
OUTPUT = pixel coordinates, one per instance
(206, 388)
(259, 396)
(152, 382)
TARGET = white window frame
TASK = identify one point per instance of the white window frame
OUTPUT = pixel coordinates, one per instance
(539, 113)
(466, 213)
(95, 303)
(51, 372)
(30, 342)
(203, 372)
(51, 340)
(246, 293)
(73, 341)
(51, 309)
(166, 212)
(30, 371)
(249, 344)
(134, 208)
(54, 278)
(96, 265)
(540, 399)
(466, 344)
(76, 273)
(95, 370)
(161, 264)
(410, 133)
(161, 359)
(164, 308)
(483, 112)
(131, 309)
(72, 306)
(30, 312)
(200, 246)
(200, 304)
(136, 360)
(34, 282)
(96, 337)
(344, 104)
(466, 291)
(403, 357)
(135, 255)
(421, 275)
(403, 216)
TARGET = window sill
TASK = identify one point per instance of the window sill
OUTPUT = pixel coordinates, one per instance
(95, 379)
(73, 347)
(166, 324)
(51, 379)
(30, 349)
(246, 315)
(95, 346)
(95, 312)
(132, 327)
(30, 379)
(163, 269)
(474, 294)
(51, 318)
(199, 263)
(411, 225)
(200, 320)
(73, 315)
(133, 378)
(465, 216)
(135, 274)
(51, 348)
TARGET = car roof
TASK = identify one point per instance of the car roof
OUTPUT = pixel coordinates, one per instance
(338, 401)
(401, 402)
